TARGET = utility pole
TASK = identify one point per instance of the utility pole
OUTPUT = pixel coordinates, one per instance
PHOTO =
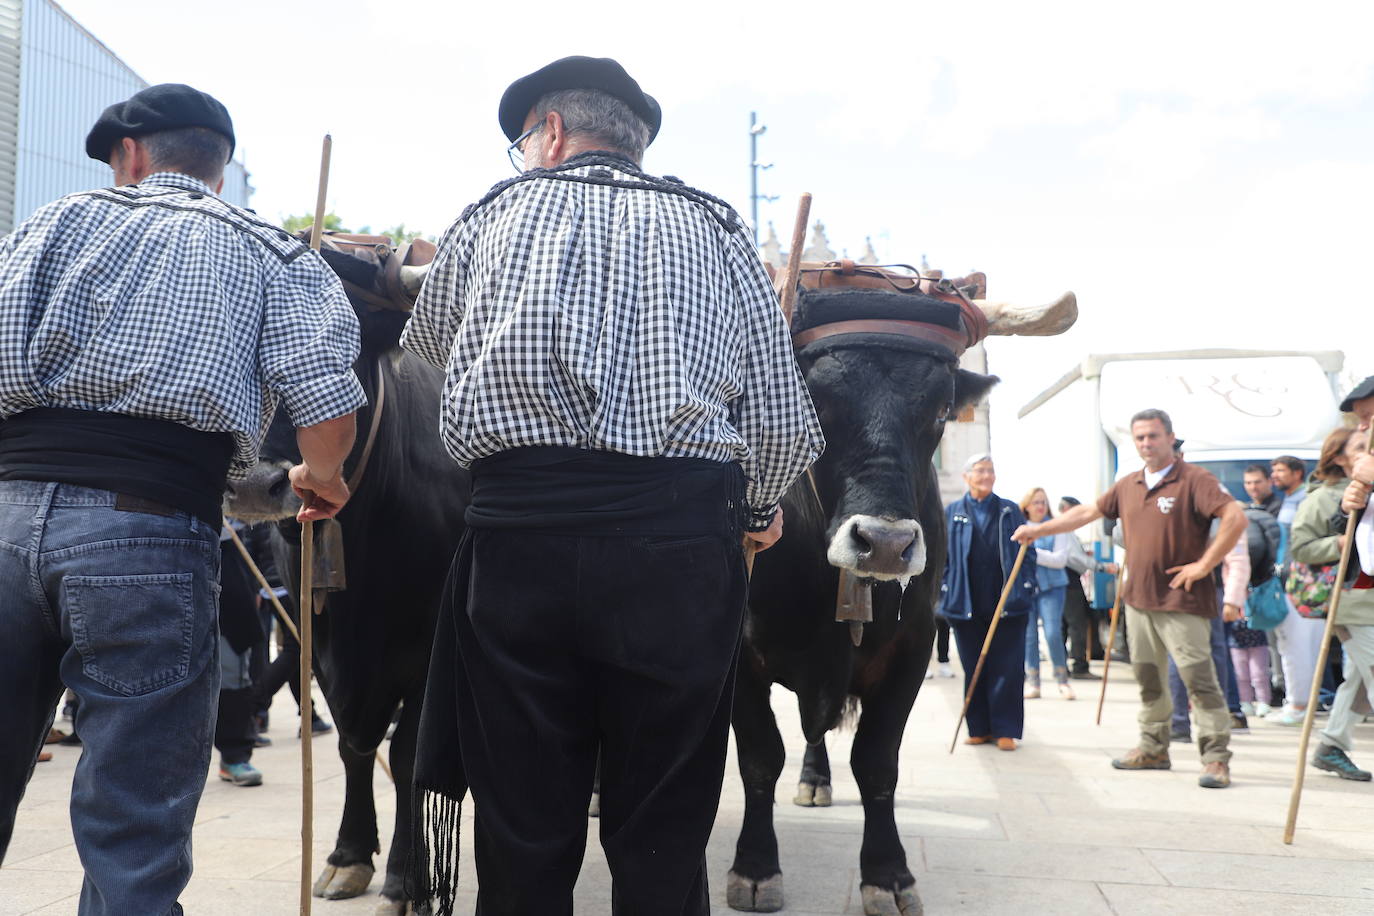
(755, 130)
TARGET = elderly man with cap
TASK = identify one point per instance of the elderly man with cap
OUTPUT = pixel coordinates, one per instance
(622, 385)
(147, 332)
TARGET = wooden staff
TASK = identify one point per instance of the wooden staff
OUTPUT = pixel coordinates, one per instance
(987, 642)
(1291, 824)
(307, 603)
(1111, 640)
(787, 301)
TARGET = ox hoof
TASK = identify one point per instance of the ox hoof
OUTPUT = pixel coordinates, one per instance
(594, 806)
(388, 907)
(812, 796)
(750, 896)
(881, 901)
(338, 882)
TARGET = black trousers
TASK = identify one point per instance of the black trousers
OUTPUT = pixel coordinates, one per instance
(997, 708)
(567, 644)
(1076, 622)
(941, 639)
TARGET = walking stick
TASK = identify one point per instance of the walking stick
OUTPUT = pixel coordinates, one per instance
(1291, 824)
(987, 642)
(787, 301)
(1111, 641)
(307, 604)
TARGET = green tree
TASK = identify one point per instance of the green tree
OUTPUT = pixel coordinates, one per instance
(399, 234)
(332, 222)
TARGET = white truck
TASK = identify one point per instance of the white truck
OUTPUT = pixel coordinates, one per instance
(1233, 408)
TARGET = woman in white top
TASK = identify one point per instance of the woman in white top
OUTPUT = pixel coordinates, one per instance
(1051, 556)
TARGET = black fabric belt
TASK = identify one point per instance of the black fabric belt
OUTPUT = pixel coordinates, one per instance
(580, 491)
(156, 466)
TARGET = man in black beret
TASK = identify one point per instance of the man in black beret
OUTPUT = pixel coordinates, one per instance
(147, 333)
(622, 385)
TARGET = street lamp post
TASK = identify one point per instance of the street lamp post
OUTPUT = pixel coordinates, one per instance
(755, 129)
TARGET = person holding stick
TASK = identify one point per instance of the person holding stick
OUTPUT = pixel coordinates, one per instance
(1166, 510)
(621, 382)
(147, 332)
(981, 556)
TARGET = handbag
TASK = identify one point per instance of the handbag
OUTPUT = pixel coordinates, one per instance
(1266, 605)
(1310, 587)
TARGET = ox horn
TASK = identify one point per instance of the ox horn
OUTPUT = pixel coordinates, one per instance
(412, 278)
(1006, 319)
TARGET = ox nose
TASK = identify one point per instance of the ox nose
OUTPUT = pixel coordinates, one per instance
(884, 547)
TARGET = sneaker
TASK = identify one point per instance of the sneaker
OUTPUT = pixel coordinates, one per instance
(1032, 691)
(1085, 675)
(1215, 775)
(1262, 709)
(1136, 759)
(1239, 724)
(1334, 760)
(1065, 691)
(317, 726)
(930, 672)
(1180, 734)
(1286, 715)
(1247, 709)
(261, 740)
(240, 774)
(946, 670)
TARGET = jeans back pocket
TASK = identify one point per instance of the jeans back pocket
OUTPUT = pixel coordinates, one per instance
(133, 632)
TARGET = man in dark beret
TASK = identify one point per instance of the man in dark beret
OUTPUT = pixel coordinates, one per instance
(147, 332)
(622, 385)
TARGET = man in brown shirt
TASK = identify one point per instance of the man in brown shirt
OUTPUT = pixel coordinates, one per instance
(1166, 512)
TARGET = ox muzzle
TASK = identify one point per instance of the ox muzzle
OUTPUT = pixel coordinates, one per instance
(265, 495)
(879, 548)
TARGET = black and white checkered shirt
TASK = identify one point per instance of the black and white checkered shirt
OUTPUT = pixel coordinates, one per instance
(160, 300)
(595, 307)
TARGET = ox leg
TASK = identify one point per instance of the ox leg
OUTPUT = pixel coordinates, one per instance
(349, 867)
(755, 880)
(402, 759)
(886, 883)
(813, 791)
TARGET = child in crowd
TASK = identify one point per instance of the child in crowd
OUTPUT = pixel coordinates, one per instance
(1250, 657)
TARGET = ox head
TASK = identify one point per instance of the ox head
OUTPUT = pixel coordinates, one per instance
(885, 381)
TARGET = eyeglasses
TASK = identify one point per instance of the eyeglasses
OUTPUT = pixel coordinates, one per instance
(516, 151)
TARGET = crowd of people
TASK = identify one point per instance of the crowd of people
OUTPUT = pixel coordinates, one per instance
(1223, 599)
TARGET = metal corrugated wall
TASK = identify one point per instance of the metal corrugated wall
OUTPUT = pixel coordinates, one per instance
(10, 16)
(67, 77)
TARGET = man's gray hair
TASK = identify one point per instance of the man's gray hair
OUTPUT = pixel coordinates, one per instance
(600, 115)
(196, 151)
(1154, 413)
(976, 459)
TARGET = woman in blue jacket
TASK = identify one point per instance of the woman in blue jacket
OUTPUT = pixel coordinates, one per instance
(1051, 556)
(981, 556)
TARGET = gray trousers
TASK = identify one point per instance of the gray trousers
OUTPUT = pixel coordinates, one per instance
(1154, 637)
(1353, 697)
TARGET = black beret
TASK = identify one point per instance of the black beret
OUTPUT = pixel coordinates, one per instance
(1361, 391)
(576, 73)
(166, 106)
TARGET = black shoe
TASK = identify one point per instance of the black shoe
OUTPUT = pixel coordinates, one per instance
(317, 726)
(72, 740)
(1085, 675)
(1239, 724)
(260, 721)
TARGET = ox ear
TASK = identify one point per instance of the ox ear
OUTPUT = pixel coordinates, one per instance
(970, 387)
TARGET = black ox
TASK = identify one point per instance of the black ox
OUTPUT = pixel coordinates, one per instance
(400, 530)
(871, 507)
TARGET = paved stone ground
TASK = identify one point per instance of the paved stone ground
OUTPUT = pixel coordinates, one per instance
(1048, 829)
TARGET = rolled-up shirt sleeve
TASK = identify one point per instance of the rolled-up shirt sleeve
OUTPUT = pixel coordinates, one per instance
(309, 342)
(438, 312)
(774, 414)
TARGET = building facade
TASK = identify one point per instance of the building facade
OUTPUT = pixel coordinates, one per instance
(55, 80)
(972, 434)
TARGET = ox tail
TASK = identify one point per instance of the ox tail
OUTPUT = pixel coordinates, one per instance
(432, 867)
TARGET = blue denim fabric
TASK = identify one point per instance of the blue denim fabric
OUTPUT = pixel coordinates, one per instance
(1049, 610)
(121, 607)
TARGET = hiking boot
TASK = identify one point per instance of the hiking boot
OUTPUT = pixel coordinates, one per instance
(240, 774)
(1136, 759)
(1239, 724)
(1334, 760)
(1215, 775)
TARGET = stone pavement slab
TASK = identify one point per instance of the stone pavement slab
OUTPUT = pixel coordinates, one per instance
(1050, 828)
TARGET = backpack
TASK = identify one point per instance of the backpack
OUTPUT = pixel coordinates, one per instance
(1263, 537)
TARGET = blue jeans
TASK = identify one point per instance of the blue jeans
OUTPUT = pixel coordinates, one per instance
(1049, 610)
(121, 607)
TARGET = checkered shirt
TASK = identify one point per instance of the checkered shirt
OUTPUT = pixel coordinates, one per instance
(595, 307)
(162, 301)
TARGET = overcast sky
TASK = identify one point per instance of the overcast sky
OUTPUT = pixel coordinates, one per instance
(1199, 173)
